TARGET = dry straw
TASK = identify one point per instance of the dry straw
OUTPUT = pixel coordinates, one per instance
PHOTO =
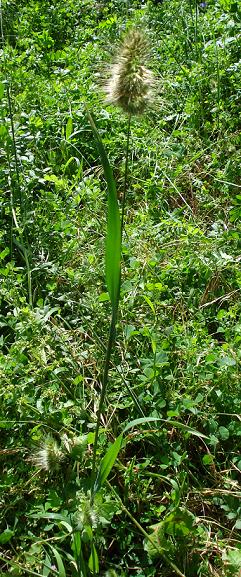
(131, 83)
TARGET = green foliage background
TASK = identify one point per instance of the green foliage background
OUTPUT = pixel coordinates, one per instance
(179, 330)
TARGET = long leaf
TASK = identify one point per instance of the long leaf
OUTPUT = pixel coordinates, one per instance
(50, 516)
(93, 561)
(107, 463)
(113, 237)
(69, 128)
(176, 424)
(59, 561)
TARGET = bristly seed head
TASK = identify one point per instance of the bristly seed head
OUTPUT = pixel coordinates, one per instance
(49, 457)
(131, 84)
(86, 514)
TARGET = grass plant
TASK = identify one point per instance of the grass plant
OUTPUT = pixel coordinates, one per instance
(129, 87)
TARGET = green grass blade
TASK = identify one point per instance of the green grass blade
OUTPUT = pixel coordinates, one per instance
(1, 90)
(60, 565)
(176, 424)
(113, 238)
(69, 128)
(93, 561)
(107, 463)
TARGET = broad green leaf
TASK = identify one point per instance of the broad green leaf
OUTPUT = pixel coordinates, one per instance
(69, 128)
(1, 90)
(158, 543)
(50, 517)
(148, 301)
(233, 557)
(179, 523)
(93, 560)
(107, 463)
(223, 433)
(5, 536)
(176, 424)
(104, 297)
(3, 131)
(227, 362)
(60, 565)
(113, 238)
(207, 459)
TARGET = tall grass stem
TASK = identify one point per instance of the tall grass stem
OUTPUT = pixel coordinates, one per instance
(126, 174)
(110, 344)
(10, 109)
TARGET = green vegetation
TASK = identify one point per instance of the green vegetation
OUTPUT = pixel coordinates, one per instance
(143, 479)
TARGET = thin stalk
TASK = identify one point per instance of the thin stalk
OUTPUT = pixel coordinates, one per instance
(29, 277)
(127, 8)
(132, 394)
(110, 345)
(191, 12)
(10, 182)
(14, 146)
(126, 174)
(196, 29)
(13, 199)
(145, 534)
(218, 83)
(10, 110)
(23, 251)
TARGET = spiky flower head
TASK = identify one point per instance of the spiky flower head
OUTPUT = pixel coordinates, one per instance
(86, 514)
(49, 456)
(131, 84)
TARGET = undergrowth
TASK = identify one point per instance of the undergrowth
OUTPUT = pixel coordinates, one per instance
(167, 485)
